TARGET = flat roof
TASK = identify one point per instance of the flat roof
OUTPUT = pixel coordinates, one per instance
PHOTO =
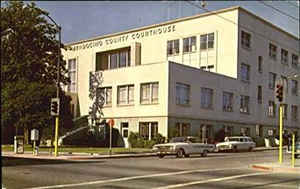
(184, 19)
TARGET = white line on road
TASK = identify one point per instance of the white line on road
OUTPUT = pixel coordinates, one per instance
(211, 180)
(134, 177)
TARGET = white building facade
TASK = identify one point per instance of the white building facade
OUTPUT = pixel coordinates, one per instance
(192, 76)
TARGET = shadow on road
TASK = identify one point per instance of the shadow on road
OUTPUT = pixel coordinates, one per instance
(15, 161)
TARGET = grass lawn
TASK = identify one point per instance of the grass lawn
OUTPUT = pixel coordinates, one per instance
(10, 148)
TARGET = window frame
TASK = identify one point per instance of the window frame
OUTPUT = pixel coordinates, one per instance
(207, 40)
(284, 57)
(72, 70)
(127, 97)
(180, 99)
(227, 107)
(151, 99)
(272, 51)
(246, 40)
(295, 60)
(247, 79)
(191, 41)
(272, 80)
(207, 98)
(173, 47)
(105, 96)
(245, 104)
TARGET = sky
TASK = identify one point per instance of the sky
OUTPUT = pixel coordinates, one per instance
(87, 19)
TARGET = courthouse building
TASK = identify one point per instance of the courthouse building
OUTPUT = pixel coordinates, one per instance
(192, 76)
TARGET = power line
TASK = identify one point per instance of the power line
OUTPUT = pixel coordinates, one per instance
(278, 10)
(242, 26)
(289, 2)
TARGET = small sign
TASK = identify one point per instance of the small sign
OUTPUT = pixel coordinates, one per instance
(34, 134)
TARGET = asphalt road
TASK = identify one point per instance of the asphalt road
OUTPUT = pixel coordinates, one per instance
(218, 170)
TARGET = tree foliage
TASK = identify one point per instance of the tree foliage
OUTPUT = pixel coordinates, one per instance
(29, 56)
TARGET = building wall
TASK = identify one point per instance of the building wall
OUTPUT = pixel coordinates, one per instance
(262, 34)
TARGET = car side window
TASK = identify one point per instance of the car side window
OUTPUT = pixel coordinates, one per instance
(241, 140)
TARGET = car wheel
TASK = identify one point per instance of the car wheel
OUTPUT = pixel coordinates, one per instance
(235, 149)
(250, 149)
(204, 153)
(161, 156)
(180, 153)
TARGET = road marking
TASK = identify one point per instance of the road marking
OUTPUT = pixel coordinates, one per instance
(134, 177)
(211, 180)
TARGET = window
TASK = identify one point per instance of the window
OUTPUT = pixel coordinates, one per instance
(294, 87)
(272, 80)
(206, 98)
(182, 94)
(286, 84)
(272, 51)
(260, 62)
(227, 102)
(285, 108)
(245, 131)
(119, 59)
(245, 72)
(126, 94)
(189, 44)
(148, 130)
(284, 56)
(207, 41)
(295, 60)
(244, 105)
(149, 93)
(72, 75)
(294, 111)
(272, 109)
(106, 94)
(124, 129)
(183, 129)
(173, 47)
(259, 94)
(246, 40)
(228, 130)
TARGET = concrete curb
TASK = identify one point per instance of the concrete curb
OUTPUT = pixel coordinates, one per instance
(273, 168)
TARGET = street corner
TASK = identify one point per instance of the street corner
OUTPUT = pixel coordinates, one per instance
(276, 168)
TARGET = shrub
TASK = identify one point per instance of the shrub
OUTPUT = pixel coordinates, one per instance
(137, 141)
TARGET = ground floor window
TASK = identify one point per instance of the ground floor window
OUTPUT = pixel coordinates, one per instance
(205, 133)
(124, 129)
(183, 129)
(148, 130)
(228, 130)
(245, 131)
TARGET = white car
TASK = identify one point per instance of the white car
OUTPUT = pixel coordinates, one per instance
(183, 146)
(236, 143)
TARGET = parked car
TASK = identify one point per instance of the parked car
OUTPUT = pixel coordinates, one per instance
(183, 146)
(236, 143)
(297, 149)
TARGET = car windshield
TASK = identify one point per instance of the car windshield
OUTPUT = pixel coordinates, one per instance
(184, 139)
(177, 139)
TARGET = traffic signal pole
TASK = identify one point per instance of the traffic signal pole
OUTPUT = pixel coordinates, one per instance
(280, 132)
(56, 136)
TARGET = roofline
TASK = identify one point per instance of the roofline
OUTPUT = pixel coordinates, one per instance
(184, 19)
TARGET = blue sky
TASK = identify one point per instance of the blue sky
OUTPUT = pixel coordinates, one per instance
(87, 19)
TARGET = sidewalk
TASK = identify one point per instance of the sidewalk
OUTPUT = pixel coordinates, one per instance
(91, 156)
(285, 167)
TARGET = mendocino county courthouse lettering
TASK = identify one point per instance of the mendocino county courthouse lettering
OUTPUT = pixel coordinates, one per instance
(124, 38)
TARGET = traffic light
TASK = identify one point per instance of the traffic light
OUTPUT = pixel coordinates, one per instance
(279, 92)
(54, 106)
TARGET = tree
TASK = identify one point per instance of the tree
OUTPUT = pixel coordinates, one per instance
(29, 54)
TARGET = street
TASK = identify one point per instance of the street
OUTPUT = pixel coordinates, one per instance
(218, 170)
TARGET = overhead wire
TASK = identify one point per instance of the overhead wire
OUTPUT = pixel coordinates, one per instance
(278, 10)
(242, 26)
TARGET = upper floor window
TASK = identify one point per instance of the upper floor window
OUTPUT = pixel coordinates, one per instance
(294, 112)
(106, 93)
(259, 94)
(246, 40)
(207, 41)
(245, 72)
(284, 56)
(244, 104)
(227, 102)
(182, 94)
(272, 109)
(206, 98)
(272, 80)
(260, 62)
(286, 83)
(285, 109)
(295, 60)
(189, 44)
(294, 87)
(149, 93)
(72, 68)
(125, 94)
(272, 51)
(173, 47)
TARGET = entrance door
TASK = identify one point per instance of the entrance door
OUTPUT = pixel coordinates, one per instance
(125, 133)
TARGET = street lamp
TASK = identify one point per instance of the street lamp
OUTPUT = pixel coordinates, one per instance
(57, 86)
